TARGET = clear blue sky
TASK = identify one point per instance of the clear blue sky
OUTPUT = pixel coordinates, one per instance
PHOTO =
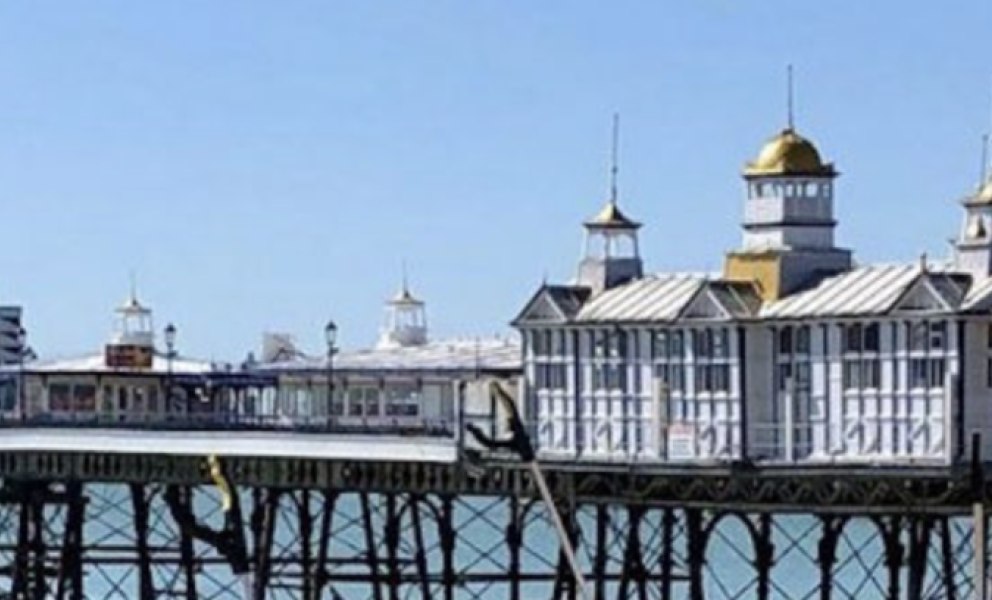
(266, 165)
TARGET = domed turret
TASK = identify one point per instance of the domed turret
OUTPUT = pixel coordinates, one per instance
(788, 217)
(789, 154)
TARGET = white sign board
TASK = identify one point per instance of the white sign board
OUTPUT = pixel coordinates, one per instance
(681, 441)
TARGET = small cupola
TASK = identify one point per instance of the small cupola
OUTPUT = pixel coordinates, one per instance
(611, 252)
(132, 344)
(405, 321)
(973, 248)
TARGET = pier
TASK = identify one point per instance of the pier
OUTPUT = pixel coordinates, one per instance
(89, 523)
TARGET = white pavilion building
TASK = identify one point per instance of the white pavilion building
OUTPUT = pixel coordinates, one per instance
(792, 353)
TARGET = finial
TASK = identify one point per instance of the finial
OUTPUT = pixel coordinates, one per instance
(406, 286)
(790, 98)
(983, 173)
(614, 159)
(133, 287)
(923, 262)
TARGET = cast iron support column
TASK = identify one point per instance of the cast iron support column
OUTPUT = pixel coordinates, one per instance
(71, 563)
(306, 535)
(371, 549)
(187, 552)
(667, 552)
(421, 558)
(830, 530)
(602, 551)
(764, 555)
(919, 546)
(139, 507)
(323, 549)
(447, 530)
(695, 539)
(947, 559)
(391, 533)
(514, 542)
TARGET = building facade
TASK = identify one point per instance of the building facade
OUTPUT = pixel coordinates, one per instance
(793, 353)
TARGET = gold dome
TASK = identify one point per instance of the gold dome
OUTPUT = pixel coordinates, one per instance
(788, 153)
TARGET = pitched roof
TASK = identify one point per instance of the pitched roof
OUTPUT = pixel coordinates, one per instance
(653, 298)
(463, 355)
(870, 290)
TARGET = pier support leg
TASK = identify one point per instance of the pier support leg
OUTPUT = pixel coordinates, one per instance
(947, 559)
(514, 543)
(919, 546)
(71, 563)
(186, 551)
(696, 542)
(139, 507)
(981, 550)
(602, 551)
(371, 547)
(764, 555)
(306, 537)
(446, 528)
(324, 544)
(391, 533)
(891, 530)
(667, 552)
(264, 525)
(421, 558)
(830, 530)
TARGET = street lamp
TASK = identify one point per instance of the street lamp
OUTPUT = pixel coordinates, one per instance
(331, 338)
(22, 353)
(170, 355)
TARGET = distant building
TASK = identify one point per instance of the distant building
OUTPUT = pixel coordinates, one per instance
(12, 348)
(792, 353)
(406, 383)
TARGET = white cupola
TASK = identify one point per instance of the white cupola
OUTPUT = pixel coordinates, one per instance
(132, 344)
(405, 321)
(973, 248)
(611, 254)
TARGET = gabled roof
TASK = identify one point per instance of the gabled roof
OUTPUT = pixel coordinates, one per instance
(563, 301)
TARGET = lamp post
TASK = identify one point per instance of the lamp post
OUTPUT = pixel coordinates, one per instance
(22, 353)
(331, 338)
(170, 355)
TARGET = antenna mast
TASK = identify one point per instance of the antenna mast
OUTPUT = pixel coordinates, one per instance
(983, 173)
(614, 158)
(790, 98)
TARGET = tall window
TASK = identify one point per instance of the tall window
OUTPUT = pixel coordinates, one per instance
(711, 348)
(928, 344)
(988, 355)
(669, 359)
(792, 364)
(862, 363)
(549, 356)
(609, 364)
